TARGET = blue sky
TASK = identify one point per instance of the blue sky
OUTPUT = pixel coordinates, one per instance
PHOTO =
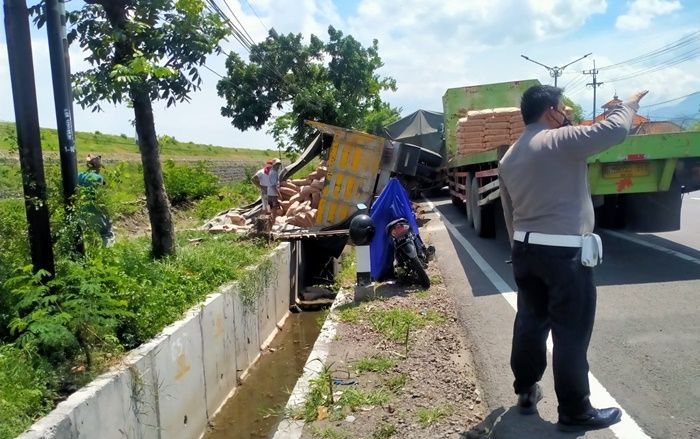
(428, 46)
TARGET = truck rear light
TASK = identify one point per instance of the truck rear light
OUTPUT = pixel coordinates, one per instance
(400, 230)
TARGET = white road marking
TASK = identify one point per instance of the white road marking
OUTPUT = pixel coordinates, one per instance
(696, 199)
(627, 428)
(639, 241)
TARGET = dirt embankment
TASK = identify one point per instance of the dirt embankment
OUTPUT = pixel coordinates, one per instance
(400, 367)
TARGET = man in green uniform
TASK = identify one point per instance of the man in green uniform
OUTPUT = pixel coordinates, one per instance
(89, 180)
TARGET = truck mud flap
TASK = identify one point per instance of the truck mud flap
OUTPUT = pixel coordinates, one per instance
(655, 211)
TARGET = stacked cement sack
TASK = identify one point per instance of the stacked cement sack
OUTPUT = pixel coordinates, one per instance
(482, 130)
(299, 198)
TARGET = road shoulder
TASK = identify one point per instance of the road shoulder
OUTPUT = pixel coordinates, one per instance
(486, 319)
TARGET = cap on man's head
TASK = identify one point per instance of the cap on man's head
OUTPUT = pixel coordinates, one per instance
(276, 162)
(93, 160)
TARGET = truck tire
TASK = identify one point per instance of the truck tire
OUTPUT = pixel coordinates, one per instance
(470, 209)
(483, 216)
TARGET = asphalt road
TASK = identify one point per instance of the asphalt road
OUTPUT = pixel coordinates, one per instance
(645, 350)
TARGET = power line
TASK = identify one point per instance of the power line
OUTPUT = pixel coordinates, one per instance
(670, 100)
(573, 82)
(213, 71)
(237, 34)
(256, 14)
(687, 56)
(645, 57)
(250, 39)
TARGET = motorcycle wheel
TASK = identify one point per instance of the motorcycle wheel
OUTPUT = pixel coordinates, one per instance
(416, 266)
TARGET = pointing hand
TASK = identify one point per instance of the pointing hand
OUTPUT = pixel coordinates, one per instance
(635, 98)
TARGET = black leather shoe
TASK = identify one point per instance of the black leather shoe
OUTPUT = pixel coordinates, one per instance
(527, 402)
(594, 419)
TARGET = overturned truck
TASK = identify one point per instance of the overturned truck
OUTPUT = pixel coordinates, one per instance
(352, 167)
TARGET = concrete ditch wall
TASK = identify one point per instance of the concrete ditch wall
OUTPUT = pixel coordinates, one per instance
(173, 385)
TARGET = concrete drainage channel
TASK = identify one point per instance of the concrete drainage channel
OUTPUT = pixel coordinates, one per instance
(175, 385)
(258, 405)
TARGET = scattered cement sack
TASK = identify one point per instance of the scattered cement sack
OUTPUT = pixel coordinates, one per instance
(236, 219)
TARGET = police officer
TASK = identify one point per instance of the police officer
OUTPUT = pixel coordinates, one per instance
(548, 209)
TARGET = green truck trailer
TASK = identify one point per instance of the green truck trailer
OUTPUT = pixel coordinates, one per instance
(637, 185)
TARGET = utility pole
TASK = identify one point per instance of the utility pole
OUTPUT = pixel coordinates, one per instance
(63, 102)
(62, 94)
(555, 72)
(19, 53)
(595, 84)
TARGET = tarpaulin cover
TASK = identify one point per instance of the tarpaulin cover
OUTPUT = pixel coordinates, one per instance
(392, 203)
(421, 128)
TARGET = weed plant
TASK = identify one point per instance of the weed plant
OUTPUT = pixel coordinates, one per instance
(56, 335)
(374, 363)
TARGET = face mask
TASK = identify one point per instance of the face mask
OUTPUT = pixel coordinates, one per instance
(566, 122)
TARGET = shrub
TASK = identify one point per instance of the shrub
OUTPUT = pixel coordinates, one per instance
(25, 390)
(78, 309)
(234, 194)
(185, 183)
(158, 292)
(14, 252)
(166, 140)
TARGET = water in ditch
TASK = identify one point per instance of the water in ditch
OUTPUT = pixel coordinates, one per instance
(258, 404)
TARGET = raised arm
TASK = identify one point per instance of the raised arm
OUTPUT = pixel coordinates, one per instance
(585, 141)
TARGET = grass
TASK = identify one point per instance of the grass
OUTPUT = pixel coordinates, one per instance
(122, 145)
(354, 398)
(349, 313)
(429, 416)
(435, 279)
(396, 383)
(374, 363)
(329, 433)
(320, 398)
(155, 293)
(347, 274)
(384, 431)
(125, 188)
(25, 390)
(232, 194)
(392, 323)
(320, 394)
(423, 294)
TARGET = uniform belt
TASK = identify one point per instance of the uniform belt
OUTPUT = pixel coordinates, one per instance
(547, 239)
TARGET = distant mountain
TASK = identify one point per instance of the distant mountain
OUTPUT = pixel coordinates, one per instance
(685, 112)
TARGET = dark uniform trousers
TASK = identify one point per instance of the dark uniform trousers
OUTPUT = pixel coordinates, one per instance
(557, 293)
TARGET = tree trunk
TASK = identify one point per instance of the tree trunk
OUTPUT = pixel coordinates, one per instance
(162, 232)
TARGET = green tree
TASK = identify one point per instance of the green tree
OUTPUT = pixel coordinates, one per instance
(375, 120)
(335, 82)
(577, 113)
(140, 51)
